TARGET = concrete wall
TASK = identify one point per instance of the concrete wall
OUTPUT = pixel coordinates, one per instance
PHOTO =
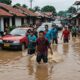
(18, 21)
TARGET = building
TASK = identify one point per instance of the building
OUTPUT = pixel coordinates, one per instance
(75, 20)
(5, 17)
(14, 20)
(19, 16)
(31, 16)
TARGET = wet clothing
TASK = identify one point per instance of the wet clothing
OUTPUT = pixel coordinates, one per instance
(65, 40)
(74, 34)
(74, 31)
(36, 34)
(55, 40)
(66, 34)
(42, 48)
(31, 51)
(54, 35)
(42, 45)
(42, 56)
(48, 35)
(32, 44)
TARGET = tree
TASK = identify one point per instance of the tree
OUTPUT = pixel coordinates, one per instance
(72, 10)
(31, 9)
(24, 5)
(36, 8)
(17, 4)
(6, 1)
(61, 13)
(49, 9)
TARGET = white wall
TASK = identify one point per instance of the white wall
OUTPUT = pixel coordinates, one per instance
(31, 21)
(2, 24)
(25, 21)
(18, 21)
(10, 21)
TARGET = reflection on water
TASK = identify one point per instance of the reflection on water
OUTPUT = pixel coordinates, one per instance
(41, 72)
(26, 68)
(55, 47)
(30, 67)
(65, 49)
(6, 56)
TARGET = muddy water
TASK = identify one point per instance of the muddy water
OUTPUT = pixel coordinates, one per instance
(16, 65)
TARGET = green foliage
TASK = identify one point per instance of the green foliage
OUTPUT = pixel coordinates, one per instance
(6, 1)
(17, 4)
(36, 8)
(24, 5)
(11, 28)
(48, 8)
(72, 10)
(61, 13)
(31, 9)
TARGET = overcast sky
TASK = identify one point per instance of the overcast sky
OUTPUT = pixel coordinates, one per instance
(58, 4)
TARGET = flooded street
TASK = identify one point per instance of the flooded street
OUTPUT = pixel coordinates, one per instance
(16, 65)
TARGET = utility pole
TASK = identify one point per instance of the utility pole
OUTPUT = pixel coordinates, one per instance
(31, 3)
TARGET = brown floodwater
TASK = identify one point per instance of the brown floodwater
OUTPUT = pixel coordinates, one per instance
(63, 65)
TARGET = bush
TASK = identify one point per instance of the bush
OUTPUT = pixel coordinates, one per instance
(11, 28)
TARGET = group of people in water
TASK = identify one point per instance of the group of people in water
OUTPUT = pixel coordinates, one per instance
(40, 42)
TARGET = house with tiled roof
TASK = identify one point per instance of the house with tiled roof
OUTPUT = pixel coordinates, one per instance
(18, 16)
(45, 16)
(31, 16)
(76, 17)
(4, 18)
(15, 20)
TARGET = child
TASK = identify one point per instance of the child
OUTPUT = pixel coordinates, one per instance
(65, 35)
(32, 43)
(42, 45)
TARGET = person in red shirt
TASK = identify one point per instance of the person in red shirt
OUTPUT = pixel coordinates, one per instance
(65, 35)
(42, 45)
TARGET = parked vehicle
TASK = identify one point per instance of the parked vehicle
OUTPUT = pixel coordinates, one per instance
(16, 39)
(42, 27)
(58, 24)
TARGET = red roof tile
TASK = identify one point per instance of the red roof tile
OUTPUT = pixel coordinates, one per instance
(48, 13)
(11, 10)
(40, 14)
(4, 13)
(27, 11)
